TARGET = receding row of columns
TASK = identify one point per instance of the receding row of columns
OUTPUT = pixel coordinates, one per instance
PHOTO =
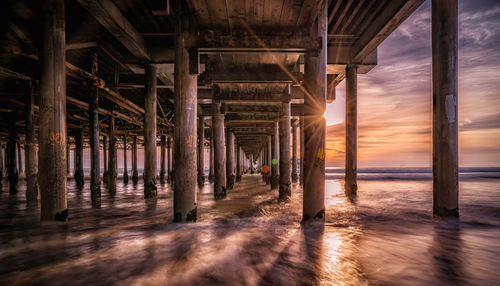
(52, 125)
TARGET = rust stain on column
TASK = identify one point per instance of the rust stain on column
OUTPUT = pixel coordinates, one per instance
(52, 117)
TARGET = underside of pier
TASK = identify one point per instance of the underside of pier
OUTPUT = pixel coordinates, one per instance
(239, 80)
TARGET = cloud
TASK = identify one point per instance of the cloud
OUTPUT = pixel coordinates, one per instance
(395, 98)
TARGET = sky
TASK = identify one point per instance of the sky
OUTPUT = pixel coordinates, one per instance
(395, 98)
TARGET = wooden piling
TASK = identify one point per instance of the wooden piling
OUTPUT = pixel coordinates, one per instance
(11, 154)
(275, 177)
(125, 168)
(445, 106)
(186, 94)
(150, 133)
(294, 152)
(302, 143)
(52, 113)
(351, 127)
(238, 163)
(30, 146)
(95, 172)
(112, 155)
(229, 159)
(19, 159)
(285, 163)
(315, 124)
(201, 148)
(135, 173)
(211, 171)
(105, 159)
(78, 173)
(169, 158)
(163, 145)
(219, 153)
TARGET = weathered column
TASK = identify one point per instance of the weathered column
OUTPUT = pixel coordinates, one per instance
(125, 167)
(269, 159)
(1, 163)
(229, 159)
(105, 159)
(150, 133)
(238, 163)
(163, 143)
(201, 155)
(252, 164)
(302, 143)
(445, 102)
(186, 94)
(112, 155)
(30, 147)
(294, 152)
(78, 173)
(275, 177)
(11, 153)
(351, 131)
(211, 172)
(219, 153)
(285, 163)
(95, 172)
(67, 158)
(52, 113)
(135, 174)
(169, 163)
(315, 124)
(19, 159)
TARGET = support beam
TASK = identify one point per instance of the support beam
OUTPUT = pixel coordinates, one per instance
(150, 133)
(95, 176)
(52, 117)
(112, 156)
(19, 159)
(110, 17)
(285, 164)
(219, 153)
(78, 172)
(185, 200)
(229, 159)
(105, 159)
(169, 160)
(11, 154)
(269, 159)
(211, 171)
(302, 140)
(445, 102)
(1, 161)
(351, 127)
(275, 177)
(135, 174)
(30, 147)
(315, 124)
(238, 163)
(125, 168)
(294, 152)
(201, 154)
(163, 143)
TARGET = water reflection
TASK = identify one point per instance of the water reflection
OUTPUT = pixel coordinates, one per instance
(446, 252)
(388, 236)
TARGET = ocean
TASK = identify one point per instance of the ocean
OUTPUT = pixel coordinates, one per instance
(387, 235)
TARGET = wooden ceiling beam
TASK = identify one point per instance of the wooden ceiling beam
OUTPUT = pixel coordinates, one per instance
(110, 17)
